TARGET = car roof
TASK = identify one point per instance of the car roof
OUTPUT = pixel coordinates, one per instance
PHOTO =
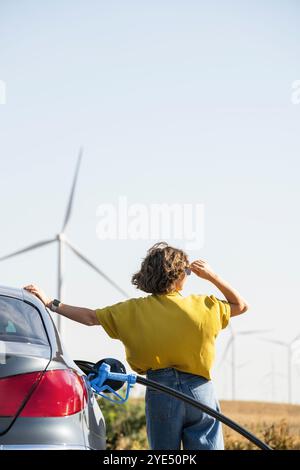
(57, 346)
(21, 294)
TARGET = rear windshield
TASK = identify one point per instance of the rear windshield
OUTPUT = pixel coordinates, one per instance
(21, 322)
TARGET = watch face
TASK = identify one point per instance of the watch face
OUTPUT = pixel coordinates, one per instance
(56, 302)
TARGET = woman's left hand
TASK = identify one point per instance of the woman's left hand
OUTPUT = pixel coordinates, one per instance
(39, 293)
(202, 269)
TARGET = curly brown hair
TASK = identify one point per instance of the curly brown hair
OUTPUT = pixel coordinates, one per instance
(160, 270)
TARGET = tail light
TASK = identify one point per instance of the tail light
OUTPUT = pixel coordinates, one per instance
(14, 391)
(58, 393)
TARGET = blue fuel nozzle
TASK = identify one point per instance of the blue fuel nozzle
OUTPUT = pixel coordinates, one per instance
(103, 374)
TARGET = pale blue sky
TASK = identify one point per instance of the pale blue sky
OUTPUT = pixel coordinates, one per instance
(173, 101)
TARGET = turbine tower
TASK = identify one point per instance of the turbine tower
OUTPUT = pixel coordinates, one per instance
(289, 346)
(232, 344)
(62, 241)
(271, 376)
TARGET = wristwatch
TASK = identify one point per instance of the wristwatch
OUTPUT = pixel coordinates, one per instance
(55, 304)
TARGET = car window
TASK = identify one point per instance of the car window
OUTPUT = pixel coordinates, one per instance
(20, 322)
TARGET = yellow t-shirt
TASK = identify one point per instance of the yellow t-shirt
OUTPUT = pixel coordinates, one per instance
(167, 330)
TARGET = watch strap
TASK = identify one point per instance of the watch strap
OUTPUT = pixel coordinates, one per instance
(55, 304)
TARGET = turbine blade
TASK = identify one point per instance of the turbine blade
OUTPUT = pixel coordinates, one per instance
(296, 338)
(28, 248)
(273, 341)
(232, 332)
(95, 268)
(297, 347)
(252, 332)
(71, 198)
(243, 364)
(226, 350)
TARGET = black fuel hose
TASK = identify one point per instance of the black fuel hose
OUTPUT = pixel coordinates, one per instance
(210, 411)
(88, 367)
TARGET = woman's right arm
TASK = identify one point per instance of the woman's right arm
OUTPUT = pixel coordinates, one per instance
(86, 316)
(237, 303)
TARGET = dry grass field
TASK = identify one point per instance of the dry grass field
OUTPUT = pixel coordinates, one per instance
(275, 423)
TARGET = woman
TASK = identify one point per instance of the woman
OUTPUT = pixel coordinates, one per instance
(171, 339)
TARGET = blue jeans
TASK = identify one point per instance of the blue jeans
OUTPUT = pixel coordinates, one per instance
(171, 421)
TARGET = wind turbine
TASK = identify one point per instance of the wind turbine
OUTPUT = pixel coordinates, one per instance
(62, 241)
(290, 352)
(232, 344)
(272, 375)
